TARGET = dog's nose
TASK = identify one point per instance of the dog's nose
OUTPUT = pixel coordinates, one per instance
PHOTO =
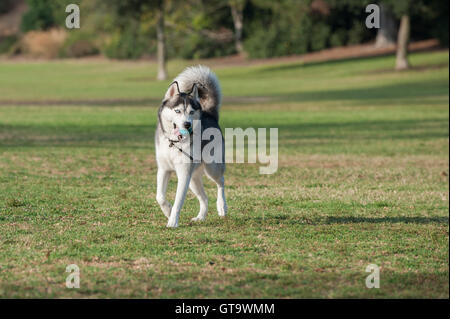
(187, 125)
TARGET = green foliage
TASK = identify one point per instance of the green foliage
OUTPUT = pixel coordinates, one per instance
(195, 28)
(78, 44)
(6, 5)
(321, 35)
(279, 30)
(196, 46)
(429, 18)
(295, 27)
(39, 15)
(338, 38)
(438, 14)
(357, 34)
(44, 14)
(126, 44)
(196, 34)
(7, 43)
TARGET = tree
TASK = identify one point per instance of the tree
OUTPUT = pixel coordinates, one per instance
(200, 29)
(387, 34)
(403, 9)
(161, 43)
(137, 10)
(237, 8)
(401, 62)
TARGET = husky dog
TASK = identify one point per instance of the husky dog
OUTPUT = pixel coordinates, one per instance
(192, 99)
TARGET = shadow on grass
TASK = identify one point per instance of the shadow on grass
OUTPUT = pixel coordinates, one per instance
(126, 136)
(381, 130)
(331, 62)
(379, 94)
(148, 102)
(390, 93)
(295, 220)
(389, 220)
(291, 133)
(121, 102)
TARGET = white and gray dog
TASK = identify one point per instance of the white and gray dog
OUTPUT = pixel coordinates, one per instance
(192, 100)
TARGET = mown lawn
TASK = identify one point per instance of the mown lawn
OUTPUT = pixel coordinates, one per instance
(362, 179)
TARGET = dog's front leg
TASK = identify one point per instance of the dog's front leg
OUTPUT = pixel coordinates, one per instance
(161, 189)
(184, 172)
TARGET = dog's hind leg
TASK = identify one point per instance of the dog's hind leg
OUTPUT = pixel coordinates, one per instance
(215, 172)
(162, 179)
(196, 187)
(184, 172)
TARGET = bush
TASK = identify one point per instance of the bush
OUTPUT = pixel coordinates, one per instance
(338, 38)
(440, 26)
(357, 34)
(319, 39)
(6, 5)
(278, 39)
(78, 44)
(127, 44)
(261, 43)
(7, 43)
(197, 46)
(39, 16)
(43, 44)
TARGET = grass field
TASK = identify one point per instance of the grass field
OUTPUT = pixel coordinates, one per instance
(362, 179)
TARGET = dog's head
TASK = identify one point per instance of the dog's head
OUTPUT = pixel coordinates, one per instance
(180, 109)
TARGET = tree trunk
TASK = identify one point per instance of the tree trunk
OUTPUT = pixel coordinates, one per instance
(402, 44)
(386, 35)
(161, 54)
(237, 8)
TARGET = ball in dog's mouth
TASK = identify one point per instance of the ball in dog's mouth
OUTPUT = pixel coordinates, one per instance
(179, 133)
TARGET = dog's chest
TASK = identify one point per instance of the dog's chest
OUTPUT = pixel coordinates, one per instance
(169, 157)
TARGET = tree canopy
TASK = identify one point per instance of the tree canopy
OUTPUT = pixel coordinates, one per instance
(211, 28)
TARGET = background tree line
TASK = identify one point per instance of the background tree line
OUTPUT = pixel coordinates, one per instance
(131, 29)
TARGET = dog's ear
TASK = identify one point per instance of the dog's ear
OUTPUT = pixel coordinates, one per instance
(194, 92)
(172, 90)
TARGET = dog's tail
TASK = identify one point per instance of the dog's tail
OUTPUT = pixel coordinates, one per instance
(208, 87)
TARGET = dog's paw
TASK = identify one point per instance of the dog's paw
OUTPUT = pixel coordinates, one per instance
(198, 219)
(222, 209)
(172, 224)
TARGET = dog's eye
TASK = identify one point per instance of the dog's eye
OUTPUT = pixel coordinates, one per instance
(177, 111)
(191, 112)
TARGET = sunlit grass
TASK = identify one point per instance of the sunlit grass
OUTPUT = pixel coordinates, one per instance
(362, 178)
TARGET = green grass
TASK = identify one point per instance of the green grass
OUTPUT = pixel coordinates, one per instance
(362, 179)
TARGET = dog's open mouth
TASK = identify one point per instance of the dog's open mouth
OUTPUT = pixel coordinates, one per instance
(180, 133)
(176, 132)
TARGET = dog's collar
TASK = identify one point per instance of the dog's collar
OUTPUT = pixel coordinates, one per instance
(172, 142)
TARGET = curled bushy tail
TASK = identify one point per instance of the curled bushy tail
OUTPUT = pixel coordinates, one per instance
(208, 86)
